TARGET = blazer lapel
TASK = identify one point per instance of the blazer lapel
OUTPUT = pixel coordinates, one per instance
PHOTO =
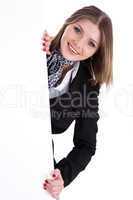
(80, 78)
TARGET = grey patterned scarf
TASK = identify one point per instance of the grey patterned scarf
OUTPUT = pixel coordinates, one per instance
(55, 63)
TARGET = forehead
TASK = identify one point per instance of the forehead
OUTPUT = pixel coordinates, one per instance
(90, 29)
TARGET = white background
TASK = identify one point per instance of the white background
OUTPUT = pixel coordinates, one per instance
(25, 134)
(109, 174)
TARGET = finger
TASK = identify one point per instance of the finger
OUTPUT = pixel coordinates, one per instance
(53, 191)
(46, 50)
(57, 184)
(48, 53)
(47, 44)
(46, 36)
(57, 174)
(56, 189)
(58, 181)
(56, 193)
(52, 182)
(45, 32)
(48, 180)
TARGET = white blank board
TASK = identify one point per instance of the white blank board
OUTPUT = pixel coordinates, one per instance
(26, 157)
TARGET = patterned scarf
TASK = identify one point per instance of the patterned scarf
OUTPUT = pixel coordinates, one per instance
(55, 63)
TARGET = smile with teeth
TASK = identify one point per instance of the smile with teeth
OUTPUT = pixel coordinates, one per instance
(73, 50)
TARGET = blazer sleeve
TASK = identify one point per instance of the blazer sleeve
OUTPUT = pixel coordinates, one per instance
(84, 139)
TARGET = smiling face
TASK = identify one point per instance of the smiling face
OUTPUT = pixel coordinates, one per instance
(80, 40)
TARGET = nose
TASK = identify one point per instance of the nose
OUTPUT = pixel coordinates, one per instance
(80, 45)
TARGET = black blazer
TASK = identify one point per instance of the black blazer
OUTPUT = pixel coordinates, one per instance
(80, 103)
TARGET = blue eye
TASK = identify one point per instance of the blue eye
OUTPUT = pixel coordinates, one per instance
(76, 29)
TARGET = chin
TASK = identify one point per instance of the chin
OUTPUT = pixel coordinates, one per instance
(69, 57)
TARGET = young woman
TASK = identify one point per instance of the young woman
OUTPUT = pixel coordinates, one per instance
(79, 60)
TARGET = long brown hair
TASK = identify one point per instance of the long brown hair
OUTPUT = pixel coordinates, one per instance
(102, 59)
